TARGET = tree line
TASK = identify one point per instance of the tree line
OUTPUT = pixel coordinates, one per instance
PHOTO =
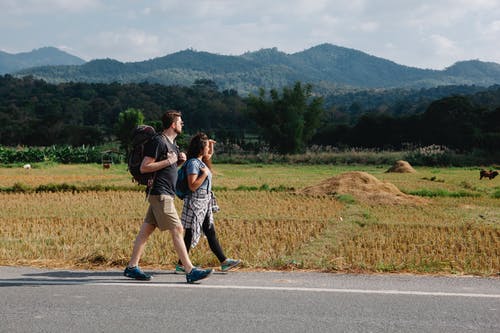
(36, 113)
(454, 121)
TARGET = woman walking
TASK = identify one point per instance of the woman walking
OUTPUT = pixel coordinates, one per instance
(199, 204)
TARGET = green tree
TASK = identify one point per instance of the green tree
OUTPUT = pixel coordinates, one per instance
(453, 122)
(127, 121)
(288, 121)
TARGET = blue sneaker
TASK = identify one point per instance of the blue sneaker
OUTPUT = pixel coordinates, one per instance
(136, 273)
(229, 264)
(197, 274)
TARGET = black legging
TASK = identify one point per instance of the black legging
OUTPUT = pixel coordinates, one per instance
(213, 242)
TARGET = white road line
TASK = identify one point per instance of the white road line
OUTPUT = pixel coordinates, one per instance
(207, 286)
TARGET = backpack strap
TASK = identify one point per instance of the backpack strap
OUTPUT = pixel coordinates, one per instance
(150, 185)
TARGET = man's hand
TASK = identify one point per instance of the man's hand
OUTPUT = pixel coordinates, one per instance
(181, 158)
(172, 157)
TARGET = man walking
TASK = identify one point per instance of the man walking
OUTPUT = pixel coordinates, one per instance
(162, 156)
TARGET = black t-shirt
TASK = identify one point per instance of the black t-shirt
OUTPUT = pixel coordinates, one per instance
(165, 178)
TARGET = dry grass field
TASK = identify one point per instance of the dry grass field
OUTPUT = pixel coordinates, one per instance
(451, 227)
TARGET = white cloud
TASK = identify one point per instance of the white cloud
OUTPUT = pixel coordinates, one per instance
(71, 5)
(305, 8)
(443, 46)
(494, 26)
(197, 8)
(471, 5)
(422, 33)
(47, 6)
(389, 45)
(129, 45)
(369, 26)
(488, 32)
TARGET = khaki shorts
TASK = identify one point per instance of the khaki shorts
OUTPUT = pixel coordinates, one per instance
(162, 213)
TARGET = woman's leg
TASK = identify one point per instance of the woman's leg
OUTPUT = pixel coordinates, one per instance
(188, 235)
(213, 242)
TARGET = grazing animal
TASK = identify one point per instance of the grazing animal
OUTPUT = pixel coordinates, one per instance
(106, 165)
(488, 174)
(27, 166)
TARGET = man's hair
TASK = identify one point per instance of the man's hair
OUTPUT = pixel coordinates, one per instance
(169, 118)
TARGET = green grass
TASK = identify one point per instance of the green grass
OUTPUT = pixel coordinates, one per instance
(346, 198)
(442, 193)
(65, 187)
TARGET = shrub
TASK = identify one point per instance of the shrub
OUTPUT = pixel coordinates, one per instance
(433, 155)
(58, 154)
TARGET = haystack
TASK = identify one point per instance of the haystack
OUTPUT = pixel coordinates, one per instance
(364, 188)
(401, 167)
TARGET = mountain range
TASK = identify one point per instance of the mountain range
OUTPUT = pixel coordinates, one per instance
(45, 56)
(328, 67)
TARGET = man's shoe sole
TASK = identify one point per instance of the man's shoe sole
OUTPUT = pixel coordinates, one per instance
(137, 278)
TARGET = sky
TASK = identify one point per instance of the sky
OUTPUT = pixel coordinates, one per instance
(419, 33)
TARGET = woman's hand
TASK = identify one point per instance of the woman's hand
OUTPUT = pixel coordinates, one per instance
(195, 181)
(204, 170)
(211, 144)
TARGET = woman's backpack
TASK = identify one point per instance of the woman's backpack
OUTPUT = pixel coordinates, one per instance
(181, 186)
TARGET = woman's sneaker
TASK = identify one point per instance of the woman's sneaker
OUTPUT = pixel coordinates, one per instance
(229, 264)
(136, 273)
(179, 269)
(197, 274)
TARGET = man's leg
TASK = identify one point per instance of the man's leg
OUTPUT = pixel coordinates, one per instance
(140, 242)
(192, 274)
(187, 244)
(180, 248)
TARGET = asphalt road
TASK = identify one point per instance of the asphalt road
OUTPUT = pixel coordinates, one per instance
(34, 300)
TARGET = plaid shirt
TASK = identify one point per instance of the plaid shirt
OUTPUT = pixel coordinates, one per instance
(197, 206)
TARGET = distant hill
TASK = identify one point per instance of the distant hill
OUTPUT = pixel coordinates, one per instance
(45, 56)
(328, 67)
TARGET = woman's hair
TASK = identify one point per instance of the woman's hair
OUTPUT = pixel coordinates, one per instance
(195, 148)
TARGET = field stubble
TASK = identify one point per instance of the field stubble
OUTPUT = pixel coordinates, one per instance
(98, 228)
(268, 230)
